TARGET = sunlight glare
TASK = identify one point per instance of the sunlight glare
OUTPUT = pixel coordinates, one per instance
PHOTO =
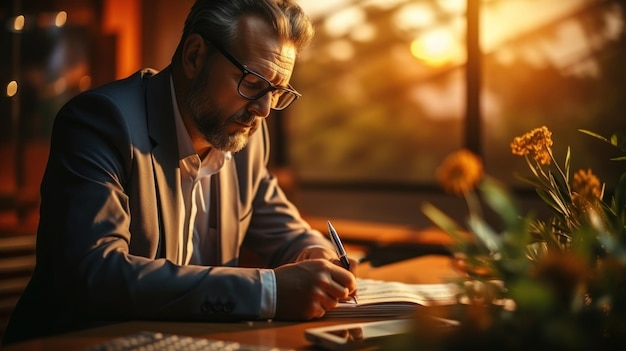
(436, 47)
(614, 24)
(413, 16)
(453, 6)
(340, 23)
(384, 4)
(340, 50)
(364, 32)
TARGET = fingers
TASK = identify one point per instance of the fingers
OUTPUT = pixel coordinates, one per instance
(320, 252)
(353, 264)
(307, 289)
(327, 302)
(345, 279)
(334, 283)
(316, 252)
(329, 298)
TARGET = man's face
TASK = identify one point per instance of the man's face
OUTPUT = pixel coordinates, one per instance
(221, 115)
(213, 123)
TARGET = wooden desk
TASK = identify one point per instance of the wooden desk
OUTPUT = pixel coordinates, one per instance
(382, 233)
(275, 334)
(384, 243)
(427, 269)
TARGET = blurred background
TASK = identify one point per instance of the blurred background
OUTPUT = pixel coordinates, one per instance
(393, 86)
(390, 88)
(387, 91)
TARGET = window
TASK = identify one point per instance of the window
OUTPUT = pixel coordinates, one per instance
(384, 87)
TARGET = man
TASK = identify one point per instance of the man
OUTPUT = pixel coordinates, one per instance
(154, 183)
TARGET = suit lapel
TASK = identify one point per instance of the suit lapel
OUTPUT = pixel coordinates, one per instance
(162, 129)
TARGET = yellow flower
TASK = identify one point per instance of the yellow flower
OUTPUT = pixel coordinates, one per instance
(586, 188)
(460, 172)
(536, 142)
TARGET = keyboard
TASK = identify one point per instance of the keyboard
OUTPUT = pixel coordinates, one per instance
(155, 341)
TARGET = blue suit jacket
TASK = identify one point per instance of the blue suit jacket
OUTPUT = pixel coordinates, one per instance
(108, 234)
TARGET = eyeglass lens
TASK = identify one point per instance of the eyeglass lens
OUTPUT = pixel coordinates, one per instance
(252, 86)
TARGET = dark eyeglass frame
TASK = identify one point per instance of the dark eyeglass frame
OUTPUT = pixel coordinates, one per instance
(292, 94)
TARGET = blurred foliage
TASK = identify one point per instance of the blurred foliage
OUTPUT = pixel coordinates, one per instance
(543, 285)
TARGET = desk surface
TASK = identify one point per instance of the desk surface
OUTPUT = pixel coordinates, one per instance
(429, 269)
(274, 334)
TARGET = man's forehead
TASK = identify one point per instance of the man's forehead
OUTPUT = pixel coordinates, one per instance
(285, 58)
(258, 43)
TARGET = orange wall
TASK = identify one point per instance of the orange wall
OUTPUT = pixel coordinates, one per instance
(123, 18)
(163, 22)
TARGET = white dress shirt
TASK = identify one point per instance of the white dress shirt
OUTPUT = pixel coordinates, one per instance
(195, 236)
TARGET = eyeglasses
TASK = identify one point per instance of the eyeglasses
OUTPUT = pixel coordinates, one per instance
(253, 86)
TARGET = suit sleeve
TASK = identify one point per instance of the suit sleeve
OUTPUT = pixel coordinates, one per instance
(277, 232)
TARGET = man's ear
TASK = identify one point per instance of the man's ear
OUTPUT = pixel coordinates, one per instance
(194, 55)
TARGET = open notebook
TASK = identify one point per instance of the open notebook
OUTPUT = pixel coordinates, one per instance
(377, 298)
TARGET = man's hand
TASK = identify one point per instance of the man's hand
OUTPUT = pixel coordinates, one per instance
(307, 289)
(315, 252)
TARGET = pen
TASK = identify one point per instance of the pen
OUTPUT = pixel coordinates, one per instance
(341, 252)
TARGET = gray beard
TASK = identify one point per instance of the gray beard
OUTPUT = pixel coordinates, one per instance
(207, 120)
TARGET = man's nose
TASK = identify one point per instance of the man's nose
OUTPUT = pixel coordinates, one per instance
(262, 106)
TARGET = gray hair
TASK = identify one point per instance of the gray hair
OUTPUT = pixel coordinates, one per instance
(216, 20)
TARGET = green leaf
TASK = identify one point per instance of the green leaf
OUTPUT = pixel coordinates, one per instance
(617, 139)
(532, 296)
(563, 180)
(595, 135)
(560, 196)
(568, 159)
(484, 233)
(534, 182)
(500, 200)
(619, 198)
(536, 169)
(443, 221)
(549, 200)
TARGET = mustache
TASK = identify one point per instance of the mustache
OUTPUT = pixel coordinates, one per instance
(243, 118)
